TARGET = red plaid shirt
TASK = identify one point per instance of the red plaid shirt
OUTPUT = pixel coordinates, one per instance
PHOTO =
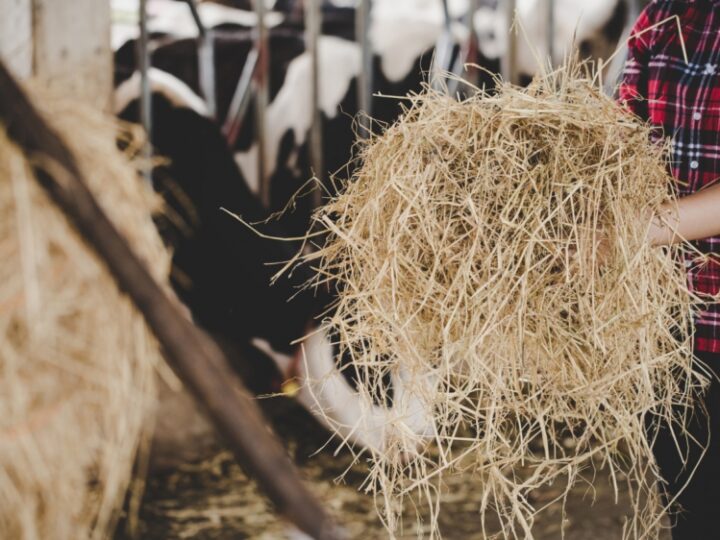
(684, 101)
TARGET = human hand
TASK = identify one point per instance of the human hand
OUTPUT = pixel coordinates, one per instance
(595, 253)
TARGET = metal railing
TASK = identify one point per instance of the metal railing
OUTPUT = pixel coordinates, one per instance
(254, 79)
(365, 77)
(261, 81)
(615, 68)
(550, 31)
(206, 59)
(143, 62)
(508, 64)
(313, 29)
(444, 49)
(241, 99)
(206, 72)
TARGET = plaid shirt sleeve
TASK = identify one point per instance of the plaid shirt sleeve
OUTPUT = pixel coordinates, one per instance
(682, 99)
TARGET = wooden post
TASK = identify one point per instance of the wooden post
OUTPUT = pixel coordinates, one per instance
(65, 45)
(16, 36)
(72, 51)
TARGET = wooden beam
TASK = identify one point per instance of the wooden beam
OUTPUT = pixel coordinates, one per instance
(72, 52)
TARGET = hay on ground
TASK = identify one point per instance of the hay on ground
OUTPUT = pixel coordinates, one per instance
(76, 360)
(494, 249)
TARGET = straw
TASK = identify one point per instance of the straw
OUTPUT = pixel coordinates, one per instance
(76, 360)
(493, 248)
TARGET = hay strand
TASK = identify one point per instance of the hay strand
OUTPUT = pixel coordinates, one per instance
(76, 360)
(494, 249)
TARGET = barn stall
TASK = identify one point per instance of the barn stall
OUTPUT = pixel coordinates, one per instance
(241, 104)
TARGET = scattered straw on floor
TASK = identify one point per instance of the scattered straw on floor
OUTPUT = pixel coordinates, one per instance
(467, 251)
(76, 360)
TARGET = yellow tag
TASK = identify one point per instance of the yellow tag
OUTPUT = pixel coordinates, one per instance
(290, 388)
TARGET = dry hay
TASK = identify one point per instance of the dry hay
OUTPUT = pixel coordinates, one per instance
(466, 251)
(76, 360)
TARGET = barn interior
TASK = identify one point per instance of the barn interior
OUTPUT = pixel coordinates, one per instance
(252, 112)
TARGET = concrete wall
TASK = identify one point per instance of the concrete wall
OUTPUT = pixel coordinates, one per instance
(63, 43)
(16, 43)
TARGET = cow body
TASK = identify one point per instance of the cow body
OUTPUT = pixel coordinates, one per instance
(222, 269)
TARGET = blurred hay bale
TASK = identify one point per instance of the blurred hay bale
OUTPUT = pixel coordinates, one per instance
(76, 360)
(465, 251)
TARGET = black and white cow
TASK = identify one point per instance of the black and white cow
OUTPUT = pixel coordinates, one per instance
(221, 267)
(403, 34)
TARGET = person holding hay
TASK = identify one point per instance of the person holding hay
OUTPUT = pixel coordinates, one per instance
(682, 98)
(465, 252)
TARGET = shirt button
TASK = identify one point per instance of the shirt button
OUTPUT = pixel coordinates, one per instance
(697, 116)
(694, 164)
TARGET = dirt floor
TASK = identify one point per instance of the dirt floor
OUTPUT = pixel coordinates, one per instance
(213, 499)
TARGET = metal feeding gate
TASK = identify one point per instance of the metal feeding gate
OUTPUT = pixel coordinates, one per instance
(206, 69)
(254, 79)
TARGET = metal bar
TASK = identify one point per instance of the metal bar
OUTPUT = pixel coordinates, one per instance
(143, 62)
(365, 77)
(206, 59)
(551, 31)
(617, 65)
(240, 100)
(261, 80)
(509, 61)
(313, 29)
(193, 355)
(471, 57)
(196, 16)
(467, 53)
(206, 70)
(443, 51)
